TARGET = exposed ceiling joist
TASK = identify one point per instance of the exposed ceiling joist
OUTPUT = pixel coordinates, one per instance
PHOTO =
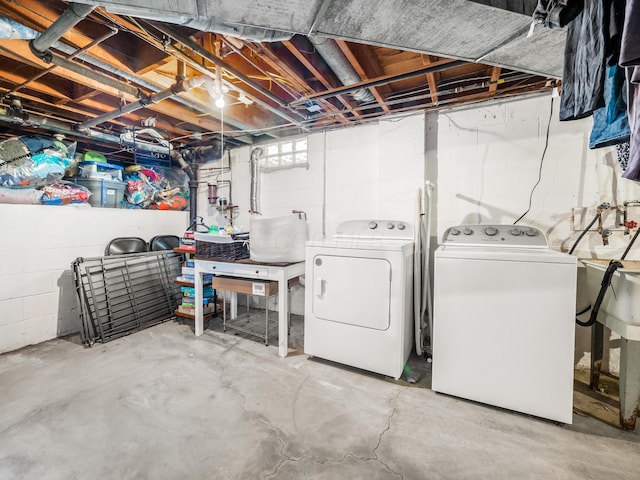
(131, 50)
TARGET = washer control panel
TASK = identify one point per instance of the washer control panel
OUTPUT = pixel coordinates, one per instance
(375, 229)
(495, 235)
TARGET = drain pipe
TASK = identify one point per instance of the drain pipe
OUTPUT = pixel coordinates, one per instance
(71, 17)
(175, 89)
(329, 50)
(193, 184)
(111, 82)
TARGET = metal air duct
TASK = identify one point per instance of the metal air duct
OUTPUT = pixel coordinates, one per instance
(204, 24)
(254, 164)
(11, 30)
(334, 57)
(243, 32)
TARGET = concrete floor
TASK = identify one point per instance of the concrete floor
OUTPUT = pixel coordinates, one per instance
(163, 404)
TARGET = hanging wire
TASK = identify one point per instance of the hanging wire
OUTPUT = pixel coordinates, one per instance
(546, 145)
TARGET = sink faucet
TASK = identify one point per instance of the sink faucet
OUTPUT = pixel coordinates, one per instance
(628, 224)
(301, 214)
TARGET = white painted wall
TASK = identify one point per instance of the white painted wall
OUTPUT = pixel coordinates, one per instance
(485, 160)
(488, 158)
(365, 172)
(38, 244)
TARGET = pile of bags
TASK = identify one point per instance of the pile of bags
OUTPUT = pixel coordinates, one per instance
(156, 188)
(31, 171)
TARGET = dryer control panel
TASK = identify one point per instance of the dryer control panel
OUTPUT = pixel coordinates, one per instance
(375, 230)
(495, 235)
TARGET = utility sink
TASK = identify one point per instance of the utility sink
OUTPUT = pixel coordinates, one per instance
(619, 311)
(620, 308)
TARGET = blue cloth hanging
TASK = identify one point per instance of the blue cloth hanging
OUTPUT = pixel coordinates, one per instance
(611, 123)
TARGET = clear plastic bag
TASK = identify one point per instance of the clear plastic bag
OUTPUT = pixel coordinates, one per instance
(62, 193)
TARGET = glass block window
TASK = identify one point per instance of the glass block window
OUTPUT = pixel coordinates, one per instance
(289, 153)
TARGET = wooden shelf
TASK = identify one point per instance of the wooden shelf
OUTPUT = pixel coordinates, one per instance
(181, 250)
(190, 284)
(178, 313)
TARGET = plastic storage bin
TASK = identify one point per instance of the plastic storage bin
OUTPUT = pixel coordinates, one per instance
(104, 193)
(93, 169)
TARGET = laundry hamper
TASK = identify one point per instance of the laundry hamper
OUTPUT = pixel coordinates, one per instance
(226, 248)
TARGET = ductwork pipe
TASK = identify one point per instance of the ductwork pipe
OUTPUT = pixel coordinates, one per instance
(243, 32)
(204, 24)
(95, 42)
(71, 17)
(10, 30)
(175, 89)
(56, 126)
(334, 57)
(254, 164)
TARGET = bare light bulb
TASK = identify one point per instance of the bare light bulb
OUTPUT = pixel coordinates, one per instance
(220, 102)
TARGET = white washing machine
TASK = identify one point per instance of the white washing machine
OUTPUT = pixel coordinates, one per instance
(504, 320)
(359, 296)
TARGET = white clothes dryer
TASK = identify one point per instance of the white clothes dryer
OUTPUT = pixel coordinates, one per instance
(359, 296)
(504, 320)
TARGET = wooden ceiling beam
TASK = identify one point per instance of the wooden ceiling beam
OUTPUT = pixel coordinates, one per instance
(316, 71)
(431, 79)
(79, 94)
(202, 66)
(21, 53)
(300, 84)
(495, 78)
(342, 45)
(252, 115)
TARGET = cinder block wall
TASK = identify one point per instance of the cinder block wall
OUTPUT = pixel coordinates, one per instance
(485, 161)
(38, 244)
(366, 172)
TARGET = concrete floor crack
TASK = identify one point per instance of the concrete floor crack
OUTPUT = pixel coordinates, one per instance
(394, 402)
(373, 458)
(258, 419)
